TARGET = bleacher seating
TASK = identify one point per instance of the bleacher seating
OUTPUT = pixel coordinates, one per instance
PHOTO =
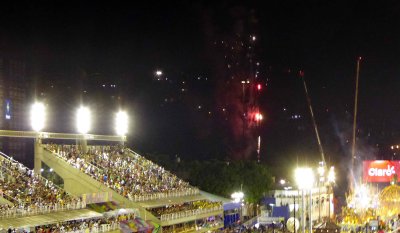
(30, 193)
(124, 171)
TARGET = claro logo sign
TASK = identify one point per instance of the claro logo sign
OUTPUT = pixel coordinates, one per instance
(380, 170)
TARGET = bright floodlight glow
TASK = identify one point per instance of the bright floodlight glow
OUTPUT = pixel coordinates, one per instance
(83, 120)
(304, 178)
(363, 198)
(158, 72)
(321, 171)
(37, 116)
(237, 196)
(331, 175)
(282, 182)
(121, 123)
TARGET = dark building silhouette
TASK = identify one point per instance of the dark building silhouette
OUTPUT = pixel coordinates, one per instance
(14, 110)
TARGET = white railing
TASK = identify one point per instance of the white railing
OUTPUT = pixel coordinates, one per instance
(208, 227)
(102, 228)
(44, 209)
(156, 196)
(189, 213)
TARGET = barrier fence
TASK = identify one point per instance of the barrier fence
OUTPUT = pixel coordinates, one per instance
(189, 213)
(155, 196)
(44, 209)
(99, 229)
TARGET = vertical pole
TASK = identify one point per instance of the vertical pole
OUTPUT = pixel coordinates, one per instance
(38, 150)
(294, 213)
(258, 147)
(319, 201)
(303, 213)
(122, 142)
(310, 210)
(244, 109)
(353, 147)
(83, 144)
(329, 203)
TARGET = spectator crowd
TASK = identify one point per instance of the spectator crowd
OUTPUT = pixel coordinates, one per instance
(126, 172)
(29, 193)
(213, 224)
(187, 206)
(91, 225)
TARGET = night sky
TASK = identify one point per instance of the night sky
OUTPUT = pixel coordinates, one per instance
(194, 110)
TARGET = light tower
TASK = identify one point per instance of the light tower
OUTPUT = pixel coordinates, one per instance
(305, 181)
(121, 124)
(83, 124)
(38, 116)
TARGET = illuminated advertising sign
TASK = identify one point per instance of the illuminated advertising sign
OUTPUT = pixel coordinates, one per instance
(380, 170)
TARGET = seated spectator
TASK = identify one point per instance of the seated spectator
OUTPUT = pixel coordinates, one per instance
(29, 192)
(129, 174)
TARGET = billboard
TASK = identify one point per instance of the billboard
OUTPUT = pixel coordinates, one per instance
(380, 170)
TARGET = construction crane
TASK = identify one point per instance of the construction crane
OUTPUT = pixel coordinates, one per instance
(353, 147)
(321, 151)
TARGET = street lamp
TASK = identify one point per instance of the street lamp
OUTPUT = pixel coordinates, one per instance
(83, 121)
(38, 115)
(282, 182)
(305, 179)
(121, 123)
(238, 198)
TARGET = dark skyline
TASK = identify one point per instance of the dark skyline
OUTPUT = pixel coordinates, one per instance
(79, 45)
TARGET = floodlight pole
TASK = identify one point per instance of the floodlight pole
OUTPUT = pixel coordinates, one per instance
(329, 207)
(303, 212)
(82, 143)
(294, 213)
(38, 149)
(310, 210)
(123, 139)
(319, 201)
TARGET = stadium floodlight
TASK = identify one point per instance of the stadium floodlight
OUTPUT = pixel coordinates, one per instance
(38, 115)
(83, 121)
(304, 178)
(121, 123)
(237, 196)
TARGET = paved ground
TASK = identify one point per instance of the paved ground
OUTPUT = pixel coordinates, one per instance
(49, 218)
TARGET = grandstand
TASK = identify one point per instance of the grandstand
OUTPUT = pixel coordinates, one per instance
(132, 192)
